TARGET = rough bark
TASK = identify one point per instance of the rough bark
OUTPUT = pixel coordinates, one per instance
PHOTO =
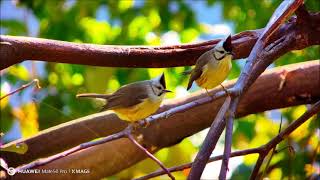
(300, 87)
(17, 49)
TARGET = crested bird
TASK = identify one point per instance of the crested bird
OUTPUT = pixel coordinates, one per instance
(134, 101)
(213, 66)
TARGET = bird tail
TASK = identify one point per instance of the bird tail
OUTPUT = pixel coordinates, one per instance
(93, 95)
(187, 72)
(189, 85)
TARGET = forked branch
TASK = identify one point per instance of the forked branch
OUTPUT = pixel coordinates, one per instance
(262, 150)
(247, 77)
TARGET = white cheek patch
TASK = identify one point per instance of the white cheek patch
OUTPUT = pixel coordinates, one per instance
(218, 55)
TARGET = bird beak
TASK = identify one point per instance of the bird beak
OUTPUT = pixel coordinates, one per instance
(166, 91)
(232, 54)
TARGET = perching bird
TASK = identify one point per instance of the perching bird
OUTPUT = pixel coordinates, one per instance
(134, 101)
(212, 67)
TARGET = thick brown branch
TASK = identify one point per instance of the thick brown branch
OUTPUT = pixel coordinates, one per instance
(17, 49)
(171, 130)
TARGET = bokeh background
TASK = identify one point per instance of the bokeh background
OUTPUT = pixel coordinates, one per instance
(146, 22)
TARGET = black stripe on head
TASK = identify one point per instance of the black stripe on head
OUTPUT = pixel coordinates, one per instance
(227, 44)
(163, 81)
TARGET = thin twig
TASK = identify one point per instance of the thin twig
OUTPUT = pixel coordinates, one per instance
(272, 152)
(151, 156)
(285, 133)
(75, 149)
(36, 81)
(187, 106)
(188, 165)
(257, 166)
(228, 139)
(125, 133)
(262, 150)
(210, 141)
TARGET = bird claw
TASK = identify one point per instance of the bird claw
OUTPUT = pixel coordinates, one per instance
(209, 94)
(134, 126)
(225, 90)
(167, 115)
(146, 123)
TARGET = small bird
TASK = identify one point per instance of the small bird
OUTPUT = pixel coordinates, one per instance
(212, 67)
(134, 101)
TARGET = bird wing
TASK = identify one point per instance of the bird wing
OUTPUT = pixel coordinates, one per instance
(187, 72)
(128, 95)
(93, 95)
(197, 71)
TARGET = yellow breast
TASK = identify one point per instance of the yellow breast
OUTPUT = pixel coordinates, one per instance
(213, 76)
(139, 111)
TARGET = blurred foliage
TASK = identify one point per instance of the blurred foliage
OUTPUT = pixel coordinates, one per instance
(142, 22)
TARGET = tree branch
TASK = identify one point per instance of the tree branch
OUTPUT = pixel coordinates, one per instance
(211, 140)
(188, 165)
(36, 81)
(15, 49)
(282, 12)
(43, 162)
(151, 156)
(262, 150)
(125, 133)
(171, 130)
(281, 136)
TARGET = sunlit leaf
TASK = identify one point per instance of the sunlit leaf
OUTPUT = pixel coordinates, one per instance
(124, 5)
(96, 31)
(152, 39)
(6, 119)
(20, 148)
(77, 79)
(275, 174)
(139, 27)
(300, 132)
(28, 118)
(19, 71)
(186, 172)
(14, 27)
(113, 84)
(53, 78)
(189, 35)
(250, 159)
(311, 169)
(5, 89)
(154, 18)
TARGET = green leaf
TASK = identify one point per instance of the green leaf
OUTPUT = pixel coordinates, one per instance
(14, 27)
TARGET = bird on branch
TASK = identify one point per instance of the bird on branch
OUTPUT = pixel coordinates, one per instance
(212, 67)
(135, 101)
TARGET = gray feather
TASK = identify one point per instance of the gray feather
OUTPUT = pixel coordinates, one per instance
(128, 95)
(197, 71)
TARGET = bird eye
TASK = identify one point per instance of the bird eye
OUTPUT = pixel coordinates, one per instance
(221, 52)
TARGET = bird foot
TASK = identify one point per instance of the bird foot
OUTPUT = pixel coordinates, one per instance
(145, 123)
(225, 90)
(209, 94)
